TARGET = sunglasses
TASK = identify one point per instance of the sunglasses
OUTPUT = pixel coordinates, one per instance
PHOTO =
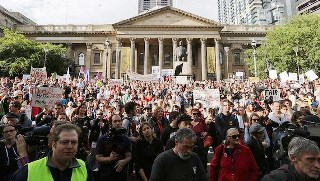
(236, 136)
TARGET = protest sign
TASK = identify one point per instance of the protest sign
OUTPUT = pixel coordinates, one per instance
(146, 78)
(182, 80)
(25, 76)
(293, 76)
(156, 70)
(166, 72)
(209, 98)
(115, 82)
(273, 74)
(38, 73)
(272, 94)
(311, 75)
(301, 78)
(284, 76)
(254, 79)
(45, 96)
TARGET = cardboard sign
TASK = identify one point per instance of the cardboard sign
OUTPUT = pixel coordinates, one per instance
(273, 74)
(254, 79)
(156, 71)
(311, 75)
(38, 73)
(209, 98)
(272, 94)
(115, 82)
(46, 96)
(25, 76)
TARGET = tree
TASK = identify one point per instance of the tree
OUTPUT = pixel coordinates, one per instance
(302, 31)
(18, 54)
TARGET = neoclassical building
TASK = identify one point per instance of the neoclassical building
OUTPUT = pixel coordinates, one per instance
(214, 51)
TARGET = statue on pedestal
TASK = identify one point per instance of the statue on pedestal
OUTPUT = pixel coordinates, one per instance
(181, 53)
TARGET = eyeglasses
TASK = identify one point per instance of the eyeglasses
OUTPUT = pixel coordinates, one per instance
(236, 136)
(255, 119)
(67, 142)
(100, 114)
(9, 131)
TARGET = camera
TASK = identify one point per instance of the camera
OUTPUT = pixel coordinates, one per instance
(114, 137)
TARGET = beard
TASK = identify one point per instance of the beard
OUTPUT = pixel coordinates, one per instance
(185, 156)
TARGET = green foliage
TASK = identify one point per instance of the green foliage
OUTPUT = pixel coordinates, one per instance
(18, 54)
(302, 31)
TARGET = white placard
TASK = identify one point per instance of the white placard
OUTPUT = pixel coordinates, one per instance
(166, 72)
(273, 94)
(293, 76)
(38, 73)
(115, 82)
(156, 70)
(209, 98)
(239, 74)
(311, 76)
(182, 80)
(273, 74)
(284, 76)
(301, 78)
(25, 76)
(45, 96)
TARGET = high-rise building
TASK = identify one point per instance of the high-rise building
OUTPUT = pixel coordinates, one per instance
(145, 5)
(308, 6)
(250, 12)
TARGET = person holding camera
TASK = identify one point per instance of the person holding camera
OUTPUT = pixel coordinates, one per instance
(13, 152)
(113, 152)
(60, 164)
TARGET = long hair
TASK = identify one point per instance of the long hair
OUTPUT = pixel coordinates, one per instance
(141, 136)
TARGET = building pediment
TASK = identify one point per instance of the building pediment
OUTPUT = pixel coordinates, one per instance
(167, 17)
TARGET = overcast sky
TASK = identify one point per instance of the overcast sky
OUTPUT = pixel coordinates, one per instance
(96, 11)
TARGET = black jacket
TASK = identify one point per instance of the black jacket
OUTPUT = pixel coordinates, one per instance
(286, 173)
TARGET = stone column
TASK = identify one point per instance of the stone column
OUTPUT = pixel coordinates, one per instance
(146, 56)
(204, 65)
(160, 54)
(117, 67)
(88, 56)
(109, 56)
(174, 47)
(188, 66)
(226, 72)
(132, 53)
(218, 65)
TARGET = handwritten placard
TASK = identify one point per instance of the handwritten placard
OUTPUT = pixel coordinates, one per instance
(38, 73)
(46, 96)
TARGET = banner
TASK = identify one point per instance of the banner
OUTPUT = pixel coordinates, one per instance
(273, 74)
(146, 78)
(209, 98)
(115, 82)
(38, 73)
(272, 94)
(45, 96)
(311, 75)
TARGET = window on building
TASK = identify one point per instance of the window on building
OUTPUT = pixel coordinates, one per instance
(167, 59)
(141, 58)
(97, 58)
(236, 58)
(81, 59)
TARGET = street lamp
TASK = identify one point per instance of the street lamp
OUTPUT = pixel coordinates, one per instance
(226, 49)
(106, 45)
(296, 49)
(254, 46)
(45, 56)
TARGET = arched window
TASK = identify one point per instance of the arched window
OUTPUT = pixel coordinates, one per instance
(81, 59)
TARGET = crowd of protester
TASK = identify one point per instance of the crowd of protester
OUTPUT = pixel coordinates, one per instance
(141, 130)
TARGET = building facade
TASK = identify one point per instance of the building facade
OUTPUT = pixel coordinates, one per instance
(308, 6)
(250, 12)
(214, 51)
(145, 5)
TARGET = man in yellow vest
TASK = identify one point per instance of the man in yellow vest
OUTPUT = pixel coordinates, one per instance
(60, 164)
